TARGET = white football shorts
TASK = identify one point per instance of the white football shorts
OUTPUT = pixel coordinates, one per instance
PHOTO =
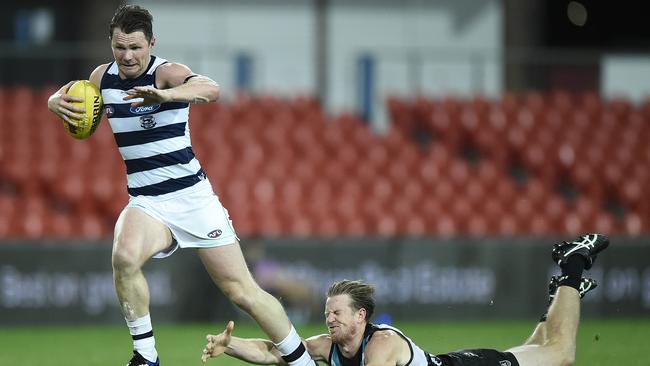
(196, 219)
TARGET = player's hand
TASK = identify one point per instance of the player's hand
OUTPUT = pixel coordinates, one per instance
(60, 103)
(149, 95)
(217, 344)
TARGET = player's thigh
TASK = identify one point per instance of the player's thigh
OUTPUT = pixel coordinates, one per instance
(139, 236)
(227, 266)
(537, 355)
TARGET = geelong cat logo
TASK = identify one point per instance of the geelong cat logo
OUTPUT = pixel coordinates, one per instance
(144, 109)
(147, 122)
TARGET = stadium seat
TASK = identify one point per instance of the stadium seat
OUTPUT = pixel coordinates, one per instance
(634, 224)
(446, 226)
(477, 225)
(61, 225)
(448, 166)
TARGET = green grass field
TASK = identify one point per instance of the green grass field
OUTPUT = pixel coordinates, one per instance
(600, 342)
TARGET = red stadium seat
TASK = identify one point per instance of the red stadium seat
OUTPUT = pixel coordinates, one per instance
(284, 167)
(477, 225)
(634, 224)
(446, 226)
(508, 225)
(61, 225)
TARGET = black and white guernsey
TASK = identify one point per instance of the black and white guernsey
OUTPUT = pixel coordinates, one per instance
(154, 141)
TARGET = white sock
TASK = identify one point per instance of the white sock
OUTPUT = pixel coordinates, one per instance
(293, 351)
(143, 340)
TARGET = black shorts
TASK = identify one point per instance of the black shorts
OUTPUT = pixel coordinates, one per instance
(478, 357)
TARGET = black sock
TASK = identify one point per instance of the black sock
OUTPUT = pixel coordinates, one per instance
(571, 276)
(572, 271)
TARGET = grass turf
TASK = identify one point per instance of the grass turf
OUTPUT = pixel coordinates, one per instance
(600, 342)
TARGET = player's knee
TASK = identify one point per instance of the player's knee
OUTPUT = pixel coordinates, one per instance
(242, 296)
(241, 299)
(568, 359)
(124, 259)
(567, 356)
(566, 362)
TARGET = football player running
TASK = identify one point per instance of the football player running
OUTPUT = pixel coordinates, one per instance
(172, 203)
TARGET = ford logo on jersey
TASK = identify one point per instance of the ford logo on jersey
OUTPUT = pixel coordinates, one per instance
(144, 109)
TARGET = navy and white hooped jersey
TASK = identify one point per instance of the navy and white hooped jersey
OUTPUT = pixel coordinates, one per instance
(154, 141)
(418, 356)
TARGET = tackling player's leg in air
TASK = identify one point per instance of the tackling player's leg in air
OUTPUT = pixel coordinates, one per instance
(539, 334)
(553, 341)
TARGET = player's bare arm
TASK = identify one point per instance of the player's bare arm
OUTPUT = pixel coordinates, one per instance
(259, 351)
(176, 83)
(256, 351)
(387, 348)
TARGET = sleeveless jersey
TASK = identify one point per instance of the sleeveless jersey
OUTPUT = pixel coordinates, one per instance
(154, 141)
(418, 356)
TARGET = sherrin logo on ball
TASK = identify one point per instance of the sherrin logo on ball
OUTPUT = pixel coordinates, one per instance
(93, 106)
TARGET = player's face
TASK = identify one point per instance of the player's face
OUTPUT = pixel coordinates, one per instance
(343, 322)
(132, 52)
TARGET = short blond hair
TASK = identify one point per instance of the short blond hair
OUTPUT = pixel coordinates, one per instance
(361, 294)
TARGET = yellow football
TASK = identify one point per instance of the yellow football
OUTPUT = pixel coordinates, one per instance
(93, 106)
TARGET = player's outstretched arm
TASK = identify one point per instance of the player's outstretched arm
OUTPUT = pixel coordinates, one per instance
(175, 83)
(256, 351)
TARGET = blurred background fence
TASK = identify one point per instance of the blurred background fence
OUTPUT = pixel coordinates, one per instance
(437, 146)
(416, 279)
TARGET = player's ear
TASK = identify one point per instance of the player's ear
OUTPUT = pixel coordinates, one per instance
(362, 314)
(153, 41)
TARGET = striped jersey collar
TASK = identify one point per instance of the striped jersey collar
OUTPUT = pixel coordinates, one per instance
(153, 63)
